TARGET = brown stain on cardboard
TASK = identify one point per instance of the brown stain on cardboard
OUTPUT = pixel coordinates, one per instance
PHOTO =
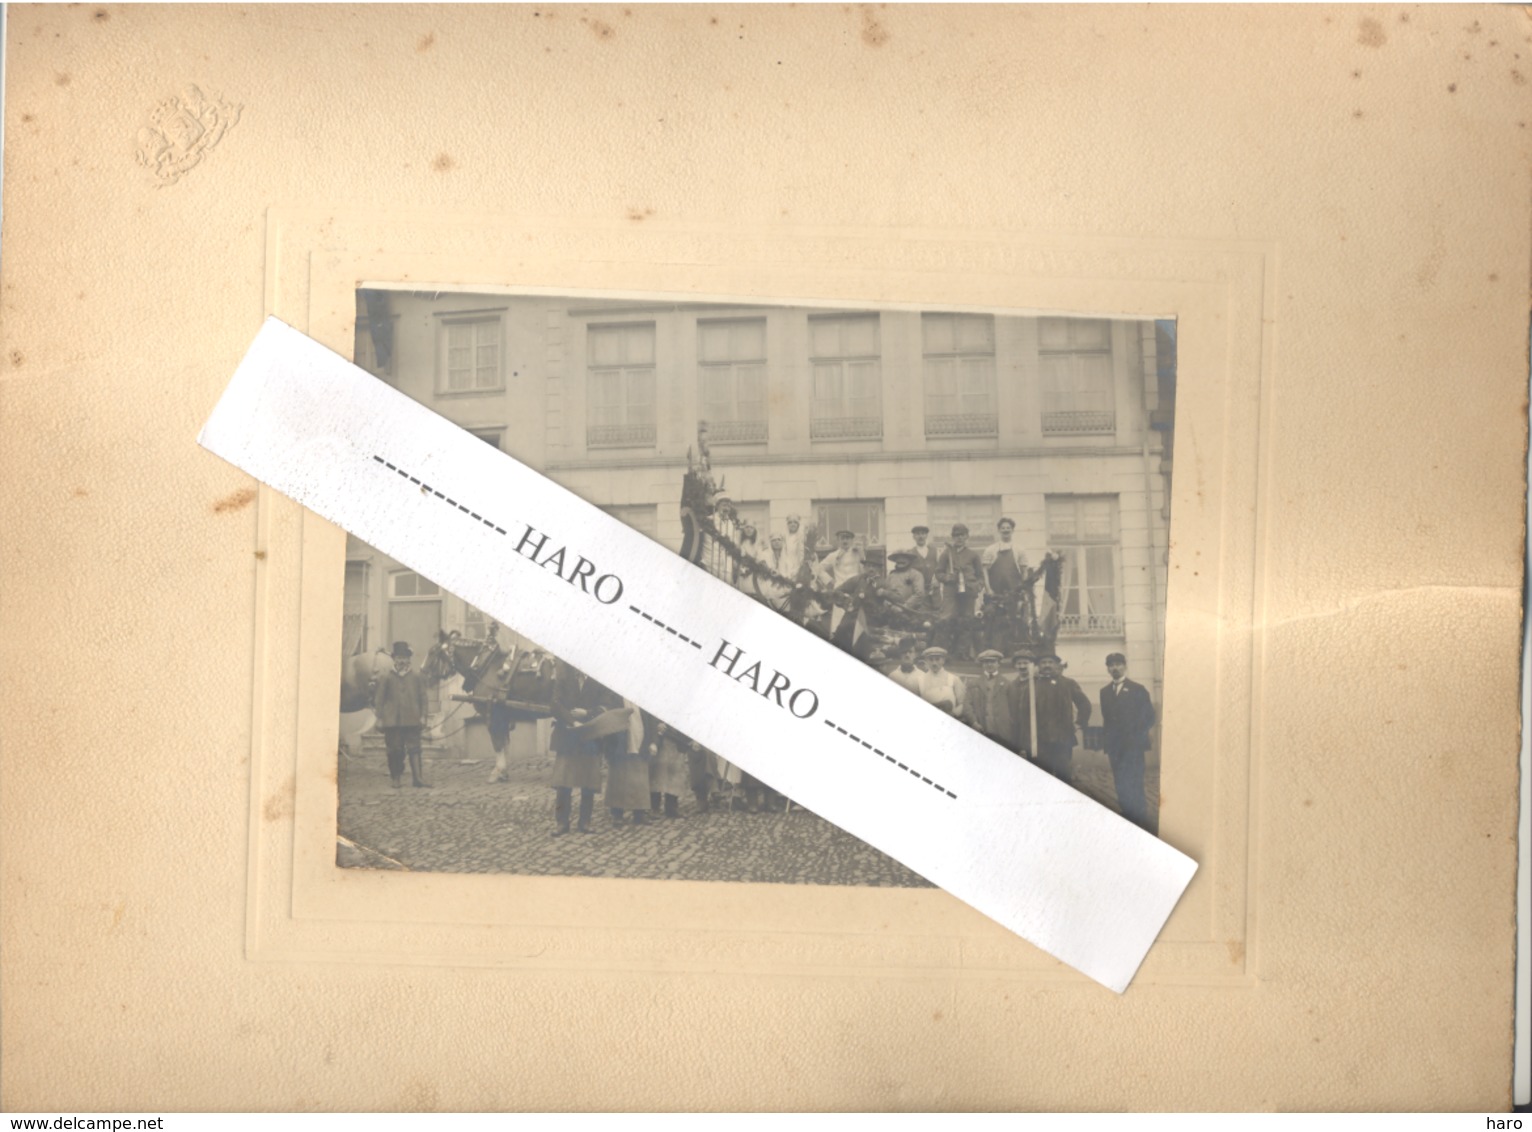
(640, 213)
(874, 34)
(1518, 78)
(61, 79)
(79, 493)
(118, 913)
(1370, 33)
(600, 28)
(235, 502)
(418, 1096)
(17, 358)
(1236, 950)
(1452, 88)
(280, 804)
(260, 556)
(101, 15)
(427, 41)
(443, 163)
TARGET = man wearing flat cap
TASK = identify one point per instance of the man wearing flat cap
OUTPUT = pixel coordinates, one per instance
(1020, 695)
(989, 700)
(904, 592)
(1005, 577)
(940, 687)
(401, 706)
(960, 573)
(843, 564)
(923, 555)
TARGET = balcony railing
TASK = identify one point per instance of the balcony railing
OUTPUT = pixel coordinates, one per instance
(736, 432)
(846, 428)
(962, 424)
(1090, 624)
(619, 436)
(1077, 422)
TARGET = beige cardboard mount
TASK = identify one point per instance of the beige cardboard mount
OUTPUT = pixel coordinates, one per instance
(1331, 201)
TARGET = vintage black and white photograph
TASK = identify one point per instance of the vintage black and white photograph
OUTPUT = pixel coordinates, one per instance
(974, 503)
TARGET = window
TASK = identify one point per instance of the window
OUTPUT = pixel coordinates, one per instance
(1083, 528)
(354, 615)
(960, 374)
(469, 358)
(642, 517)
(865, 517)
(1075, 367)
(490, 436)
(979, 513)
(408, 584)
(731, 357)
(620, 389)
(848, 378)
(475, 623)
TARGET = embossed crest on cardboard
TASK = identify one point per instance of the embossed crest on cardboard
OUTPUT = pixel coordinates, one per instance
(180, 132)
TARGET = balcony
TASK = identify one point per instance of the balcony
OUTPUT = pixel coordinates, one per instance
(962, 424)
(846, 428)
(1079, 422)
(1090, 625)
(736, 432)
(619, 436)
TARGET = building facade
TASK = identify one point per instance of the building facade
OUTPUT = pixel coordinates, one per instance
(870, 420)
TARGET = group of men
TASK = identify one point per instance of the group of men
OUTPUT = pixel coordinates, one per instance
(981, 599)
(958, 597)
(601, 743)
(1040, 713)
(648, 766)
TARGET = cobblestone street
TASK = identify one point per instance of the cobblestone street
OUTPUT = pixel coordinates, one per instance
(462, 823)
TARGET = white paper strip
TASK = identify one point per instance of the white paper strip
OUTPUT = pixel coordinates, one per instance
(1062, 871)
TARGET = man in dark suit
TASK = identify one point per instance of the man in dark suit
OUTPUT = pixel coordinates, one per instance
(577, 761)
(1127, 714)
(1062, 708)
(401, 705)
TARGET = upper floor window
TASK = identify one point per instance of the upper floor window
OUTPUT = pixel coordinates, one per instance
(642, 517)
(468, 360)
(959, 354)
(1084, 529)
(620, 385)
(979, 513)
(731, 356)
(862, 517)
(1075, 367)
(845, 354)
(408, 584)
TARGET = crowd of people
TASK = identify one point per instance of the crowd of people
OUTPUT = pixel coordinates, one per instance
(956, 597)
(603, 744)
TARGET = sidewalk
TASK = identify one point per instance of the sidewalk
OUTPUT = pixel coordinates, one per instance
(464, 824)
